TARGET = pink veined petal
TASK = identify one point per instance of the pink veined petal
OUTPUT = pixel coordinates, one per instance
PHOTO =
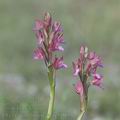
(97, 80)
(79, 88)
(56, 27)
(97, 76)
(40, 37)
(76, 70)
(96, 61)
(60, 39)
(58, 63)
(38, 54)
(60, 48)
(55, 46)
(91, 55)
(64, 66)
(55, 63)
(38, 25)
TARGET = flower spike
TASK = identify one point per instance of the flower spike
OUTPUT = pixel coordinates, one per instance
(49, 35)
(86, 67)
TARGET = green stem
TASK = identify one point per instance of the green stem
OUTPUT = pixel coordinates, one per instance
(83, 106)
(81, 115)
(52, 93)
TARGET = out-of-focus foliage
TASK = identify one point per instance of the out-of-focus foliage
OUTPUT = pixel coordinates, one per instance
(24, 86)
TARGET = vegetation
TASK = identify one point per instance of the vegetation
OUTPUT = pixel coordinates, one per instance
(23, 84)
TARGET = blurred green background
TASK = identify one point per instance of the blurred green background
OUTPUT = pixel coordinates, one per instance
(24, 88)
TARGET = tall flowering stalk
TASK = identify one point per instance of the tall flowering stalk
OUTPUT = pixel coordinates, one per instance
(49, 36)
(86, 68)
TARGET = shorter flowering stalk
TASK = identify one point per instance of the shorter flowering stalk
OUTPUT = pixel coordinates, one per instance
(49, 36)
(86, 67)
(83, 107)
(81, 115)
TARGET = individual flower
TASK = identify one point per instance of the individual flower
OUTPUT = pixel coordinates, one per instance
(97, 80)
(57, 38)
(38, 25)
(39, 54)
(58, 63)
(55, 46)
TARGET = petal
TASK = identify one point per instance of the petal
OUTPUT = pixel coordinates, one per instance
(55, 46)
(60, 48)
(79, 88)
(91, 55)
(38, 25)
(38, 54)
(57, 27)
(97, 76)
(76, 70)
(96, 82)
(40, 37)
(58, 63)
(64, 66)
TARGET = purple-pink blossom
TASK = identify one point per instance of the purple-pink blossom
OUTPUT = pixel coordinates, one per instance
(76, 68)
(97, 80)
(58, 63)
(38, 54)
(49, 35)
(86, 68)
(38, 25)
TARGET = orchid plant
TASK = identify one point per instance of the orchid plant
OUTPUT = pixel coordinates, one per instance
(49, 35)
(86, 68)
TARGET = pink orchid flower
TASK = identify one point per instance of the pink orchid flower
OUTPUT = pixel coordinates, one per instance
(38, 54)
(58, 63)
(97, 81)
